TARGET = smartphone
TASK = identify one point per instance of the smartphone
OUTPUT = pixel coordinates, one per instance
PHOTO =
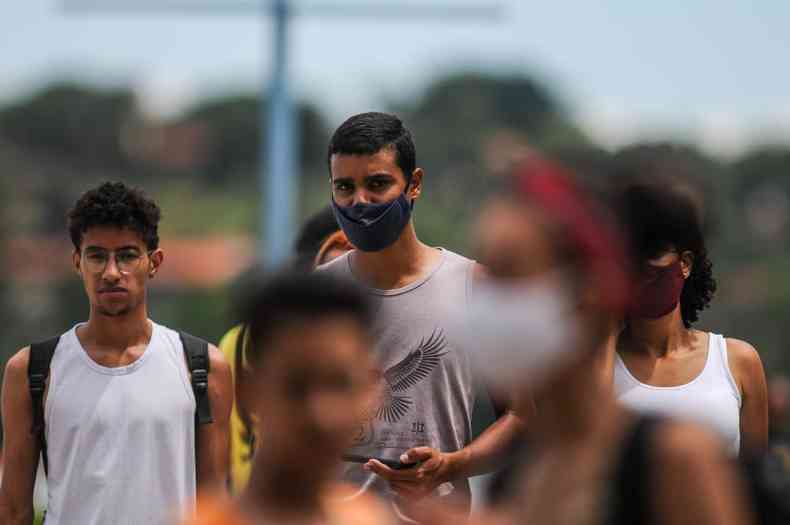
(391, 463)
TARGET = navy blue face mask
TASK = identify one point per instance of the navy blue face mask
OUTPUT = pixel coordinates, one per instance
(373, 227)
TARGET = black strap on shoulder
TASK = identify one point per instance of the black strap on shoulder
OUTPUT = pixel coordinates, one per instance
(196, 351)
(37, 373)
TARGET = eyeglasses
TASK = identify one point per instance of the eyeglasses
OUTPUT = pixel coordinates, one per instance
(127, 261)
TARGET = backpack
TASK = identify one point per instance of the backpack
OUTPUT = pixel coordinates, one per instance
(195, 350)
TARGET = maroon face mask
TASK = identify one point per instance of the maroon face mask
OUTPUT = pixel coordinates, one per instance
(657, 292)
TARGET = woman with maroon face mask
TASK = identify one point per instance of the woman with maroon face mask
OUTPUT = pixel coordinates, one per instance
(661, 363)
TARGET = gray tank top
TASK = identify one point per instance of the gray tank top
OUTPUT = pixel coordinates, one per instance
(427, 384)
(121, 441)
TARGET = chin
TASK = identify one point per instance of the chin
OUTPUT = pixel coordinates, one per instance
(114, 312)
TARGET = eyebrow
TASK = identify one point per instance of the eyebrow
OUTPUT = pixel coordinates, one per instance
(377, 175)
(94, 248)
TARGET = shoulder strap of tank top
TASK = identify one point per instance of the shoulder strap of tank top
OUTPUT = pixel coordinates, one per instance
(196, 351)
(37, 373)
(631, 483)
(718, 348)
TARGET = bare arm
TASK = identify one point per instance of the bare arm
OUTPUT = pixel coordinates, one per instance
(694, 481)
(749, 374)
(21, 450)
(483, 454)
(213, 439)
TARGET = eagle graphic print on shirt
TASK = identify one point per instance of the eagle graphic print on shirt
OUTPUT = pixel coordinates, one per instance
(399, 378)
(393, 402)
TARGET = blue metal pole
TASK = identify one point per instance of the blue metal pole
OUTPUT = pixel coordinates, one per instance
(276, 179)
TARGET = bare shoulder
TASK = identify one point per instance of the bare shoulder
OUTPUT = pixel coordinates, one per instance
(745, 362)
(16, 397)
(742, 353)
(16, 367)
(217, 360)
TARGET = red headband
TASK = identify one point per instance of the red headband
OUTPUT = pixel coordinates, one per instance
(551, 187)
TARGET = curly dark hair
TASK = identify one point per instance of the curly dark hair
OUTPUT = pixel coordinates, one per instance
(115, 204)
(657, 217)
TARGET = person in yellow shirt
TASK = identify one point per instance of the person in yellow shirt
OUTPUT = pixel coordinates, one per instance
(240, 440)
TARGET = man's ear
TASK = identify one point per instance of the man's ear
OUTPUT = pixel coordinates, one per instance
(76, 261)
(415, 188)
(157, 257)
(686, 263)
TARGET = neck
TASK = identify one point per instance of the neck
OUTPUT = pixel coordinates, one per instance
(657, 337)
(266, 493)
(397, 265)
(118, 332)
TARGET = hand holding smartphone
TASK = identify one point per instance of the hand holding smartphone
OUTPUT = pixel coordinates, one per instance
(391, 463)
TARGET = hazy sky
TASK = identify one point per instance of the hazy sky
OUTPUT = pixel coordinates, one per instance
(714, 71)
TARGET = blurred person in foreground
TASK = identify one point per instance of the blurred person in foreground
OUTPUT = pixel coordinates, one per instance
(537, 327)
(122, 445)
(423, 418)
(662, 364)
(319, 241)
(307, 375)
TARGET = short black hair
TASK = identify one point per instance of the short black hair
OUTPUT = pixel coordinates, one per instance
(655, 217)
(279, 301)
(369, 133)
(115, 204)
(295, 296)
(312, 235)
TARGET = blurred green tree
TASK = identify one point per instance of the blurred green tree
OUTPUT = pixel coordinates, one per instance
(79, 124)
(456, 116)
(235, 136)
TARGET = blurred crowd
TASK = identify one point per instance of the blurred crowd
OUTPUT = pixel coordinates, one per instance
(346, 395)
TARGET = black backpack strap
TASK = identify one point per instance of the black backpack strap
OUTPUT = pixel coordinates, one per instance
(196, 351)
(37, 373)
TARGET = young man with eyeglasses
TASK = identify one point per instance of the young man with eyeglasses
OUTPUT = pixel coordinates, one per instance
(416, 441)
(120, 439)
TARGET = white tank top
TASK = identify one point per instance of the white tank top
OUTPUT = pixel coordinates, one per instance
(121, 441)
(711, 399)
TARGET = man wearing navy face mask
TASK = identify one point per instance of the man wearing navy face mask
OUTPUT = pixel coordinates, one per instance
(422, 416)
